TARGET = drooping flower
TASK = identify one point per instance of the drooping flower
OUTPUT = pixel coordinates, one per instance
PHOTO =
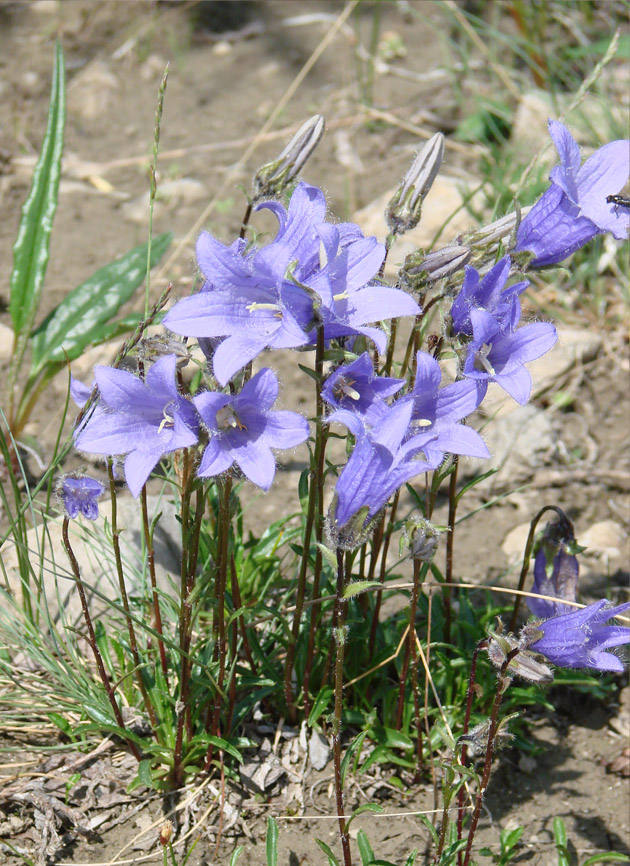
(437, 413)
(488, 293)
(142, 419)
(244, 431)
(562, 584)
(574, 208)
(380, 463)
(79, 495)
(499, 355)
(581, 639)
(355, 387)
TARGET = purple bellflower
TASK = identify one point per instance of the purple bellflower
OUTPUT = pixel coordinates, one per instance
(574, 208)
(245, 300)
(498, 355)
(142, 419)
(437, 412)
(380, 463)
(274, 297)
(580, 639)
(562, 584)
(243, 430)
(488, 293)
(355, 387)
(79, 495)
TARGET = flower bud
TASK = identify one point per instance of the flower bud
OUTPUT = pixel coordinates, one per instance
(525, 664)
(477, 738)
(274, 176)
(496, 231)
(420, 538)
(403, 211)
(166, 833)
(419, 270)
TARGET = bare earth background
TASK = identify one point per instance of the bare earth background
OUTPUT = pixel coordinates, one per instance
(227, 74)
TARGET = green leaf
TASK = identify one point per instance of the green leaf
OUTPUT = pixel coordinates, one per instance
(411, 859)
(366, 807)
(328, 555)
(62, 723)
(236, 853)
(84, 316)
(321, 702)
(354, 747)
(365, 849)
(30, 252)
(144, 773)
(360, 586)
(272, 842)
(609, 857)
(332, 860)
(560, 835)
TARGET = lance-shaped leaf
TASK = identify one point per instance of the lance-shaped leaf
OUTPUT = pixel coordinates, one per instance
(30, 252)
(81, 318)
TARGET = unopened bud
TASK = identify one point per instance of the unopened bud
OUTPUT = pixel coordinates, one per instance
(496, 231)
(419, 270)
(477, 738)
(403, 211)
(525, 663)
(273, 177)
(420, 538)
(166, 833)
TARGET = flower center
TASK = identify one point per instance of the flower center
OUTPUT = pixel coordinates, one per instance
(482, 364)
(167, 420)
(343, 388)
(227, 419)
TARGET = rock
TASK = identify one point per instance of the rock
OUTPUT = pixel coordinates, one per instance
(514, 543)
(95, 556)
(318, 750)
(605, 540)
(444, 198)
(170, 195)
(92, 91)
(520, 442)
(6, 342)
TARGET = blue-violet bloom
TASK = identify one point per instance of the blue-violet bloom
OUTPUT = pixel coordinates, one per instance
(488, 293)
(562, 584)
(355, 387)
(437, 412)
(243, 430)
(499, 355)
(574, 208)
(580, 639)
(79, 495)
(380, 463)
(142, 419)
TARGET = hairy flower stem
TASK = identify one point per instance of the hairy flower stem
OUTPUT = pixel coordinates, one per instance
(313, 517)
(527, 557)
(148, 540)
(447, 592)
(419, 571)
(238, 604)
(391, 345)
(133, 643)
(245, 221)
(502, 684)
(213, 719)
(185, 624)
(384, 552)
(341, 607)
(91, 638)
(482, 645)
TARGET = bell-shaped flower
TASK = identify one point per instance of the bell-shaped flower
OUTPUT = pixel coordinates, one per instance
(575, 208)
(244, 431)
(355, 387)
(380, 463)
(246, 300)
(488, 293)
(143, 419)
(499, 355)
(79, 494)
(437, 412)
(581, 639)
